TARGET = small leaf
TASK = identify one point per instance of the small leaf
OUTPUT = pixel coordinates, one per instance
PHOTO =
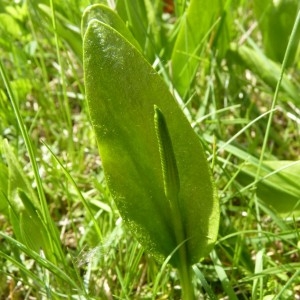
(17, 179)
(170, 178)
(23, 206)
(167, 157)
(121, 90)
(33, 231)
(9, 25)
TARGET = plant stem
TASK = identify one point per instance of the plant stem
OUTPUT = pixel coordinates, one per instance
(186, 279)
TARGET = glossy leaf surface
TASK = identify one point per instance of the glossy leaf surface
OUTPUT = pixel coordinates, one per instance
(122, 90)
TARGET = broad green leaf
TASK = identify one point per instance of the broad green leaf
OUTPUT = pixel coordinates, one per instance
(122, 90)
(266, 69)
(278, 185)
(276, 20)
(195, 27)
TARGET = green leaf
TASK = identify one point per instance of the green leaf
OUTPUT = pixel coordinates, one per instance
(24, 208)
(121, 90)
(266, 69)
(16, 178)
(167, 156)
(9, 25)
(171, 179)
(278, 185)
(143, 19)
(102, 13)
(33, 231)
(195, 28)
(276, 20)
(3, 189)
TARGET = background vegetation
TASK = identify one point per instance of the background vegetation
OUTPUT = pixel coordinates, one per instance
(60, 233)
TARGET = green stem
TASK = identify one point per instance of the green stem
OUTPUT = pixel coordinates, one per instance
(186, 280)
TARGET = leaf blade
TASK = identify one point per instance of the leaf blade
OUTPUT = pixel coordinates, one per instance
(122, 89)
